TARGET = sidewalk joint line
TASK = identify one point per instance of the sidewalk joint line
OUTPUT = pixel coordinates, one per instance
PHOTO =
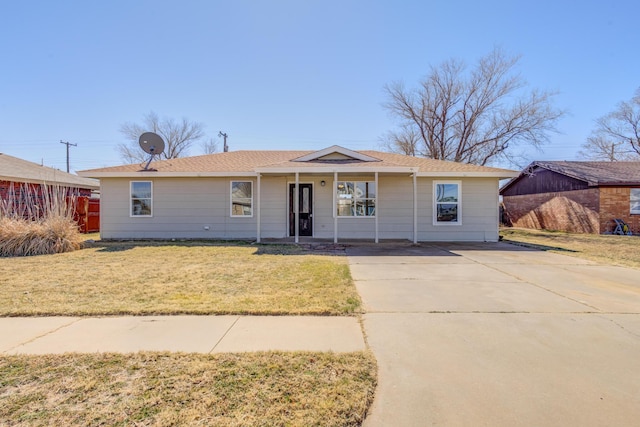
(224, 335)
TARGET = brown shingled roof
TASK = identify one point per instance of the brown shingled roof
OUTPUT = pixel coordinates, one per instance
(250, 161)
(596, 173)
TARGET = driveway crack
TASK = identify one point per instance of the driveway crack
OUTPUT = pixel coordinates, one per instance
(622, 326)
(520, 279)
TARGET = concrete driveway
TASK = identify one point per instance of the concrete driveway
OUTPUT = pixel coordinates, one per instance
(499, 335)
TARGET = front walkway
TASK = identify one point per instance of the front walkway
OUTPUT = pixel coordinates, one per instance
(201, 334)
(498, 335)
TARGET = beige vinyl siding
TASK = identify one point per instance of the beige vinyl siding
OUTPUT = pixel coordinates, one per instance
(273, 207)
(182, 208)
(395, 207)
(479, 212)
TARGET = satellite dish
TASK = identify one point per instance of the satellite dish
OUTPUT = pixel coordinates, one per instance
(153, 144)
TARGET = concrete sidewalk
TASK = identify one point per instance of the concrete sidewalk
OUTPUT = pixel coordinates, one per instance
(200, 334)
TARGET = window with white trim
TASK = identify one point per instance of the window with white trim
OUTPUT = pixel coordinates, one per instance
(447, 203)
(356, 198)
(634, 201)
(241, 198)
(141, 197)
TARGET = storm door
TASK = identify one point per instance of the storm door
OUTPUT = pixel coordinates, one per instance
(305, 207)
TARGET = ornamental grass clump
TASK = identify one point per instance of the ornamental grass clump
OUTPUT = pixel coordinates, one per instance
(38, 220)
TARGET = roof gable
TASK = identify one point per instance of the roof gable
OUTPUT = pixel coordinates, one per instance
(335, 152)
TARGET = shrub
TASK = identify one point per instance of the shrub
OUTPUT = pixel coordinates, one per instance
(38, 220)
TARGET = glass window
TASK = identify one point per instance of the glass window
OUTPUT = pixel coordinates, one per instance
(356, 198)
(635, 201)
(241, 198)
(141, 198)
(446, 202)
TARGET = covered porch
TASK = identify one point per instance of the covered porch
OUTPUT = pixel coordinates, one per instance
(330, 204)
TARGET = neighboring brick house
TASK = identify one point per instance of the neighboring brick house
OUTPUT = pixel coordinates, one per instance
(16, 175)
(580, 197)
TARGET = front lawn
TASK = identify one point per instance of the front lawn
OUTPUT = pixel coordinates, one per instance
(164, 389)
(141, 278)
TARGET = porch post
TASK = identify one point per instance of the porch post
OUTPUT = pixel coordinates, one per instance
(335, 207)
(258, 213)
(415, 207)
(296, 207)
(377, 206)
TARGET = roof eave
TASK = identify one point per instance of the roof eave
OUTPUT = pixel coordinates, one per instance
(160, 174)
(469, 174)
(618, 184)
(18, 179)
(337, 168)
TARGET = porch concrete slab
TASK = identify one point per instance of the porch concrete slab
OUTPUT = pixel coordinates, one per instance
(605, 288)
(131, 334)
(293, 333)
(384, 253)
(17, 331)
(503, 370)
(427, 295)
(435, 272)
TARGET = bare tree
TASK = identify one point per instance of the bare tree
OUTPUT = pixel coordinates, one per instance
(470, 116)
(600, 148)
(617, 134)
(178, 136)
(210, 146)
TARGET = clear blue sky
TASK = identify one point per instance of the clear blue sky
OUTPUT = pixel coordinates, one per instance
(292, 74)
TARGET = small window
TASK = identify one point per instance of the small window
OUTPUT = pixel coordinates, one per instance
(141, 198)
(634, 199)
(241, 198)
(356, 198)
(447, 203)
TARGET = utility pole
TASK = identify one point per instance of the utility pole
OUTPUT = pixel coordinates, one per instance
(224, 135)
(67, 143)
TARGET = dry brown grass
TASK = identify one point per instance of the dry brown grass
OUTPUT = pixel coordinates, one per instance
(175, 278)
(163, 389)
(606, 249)
(37, 224)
